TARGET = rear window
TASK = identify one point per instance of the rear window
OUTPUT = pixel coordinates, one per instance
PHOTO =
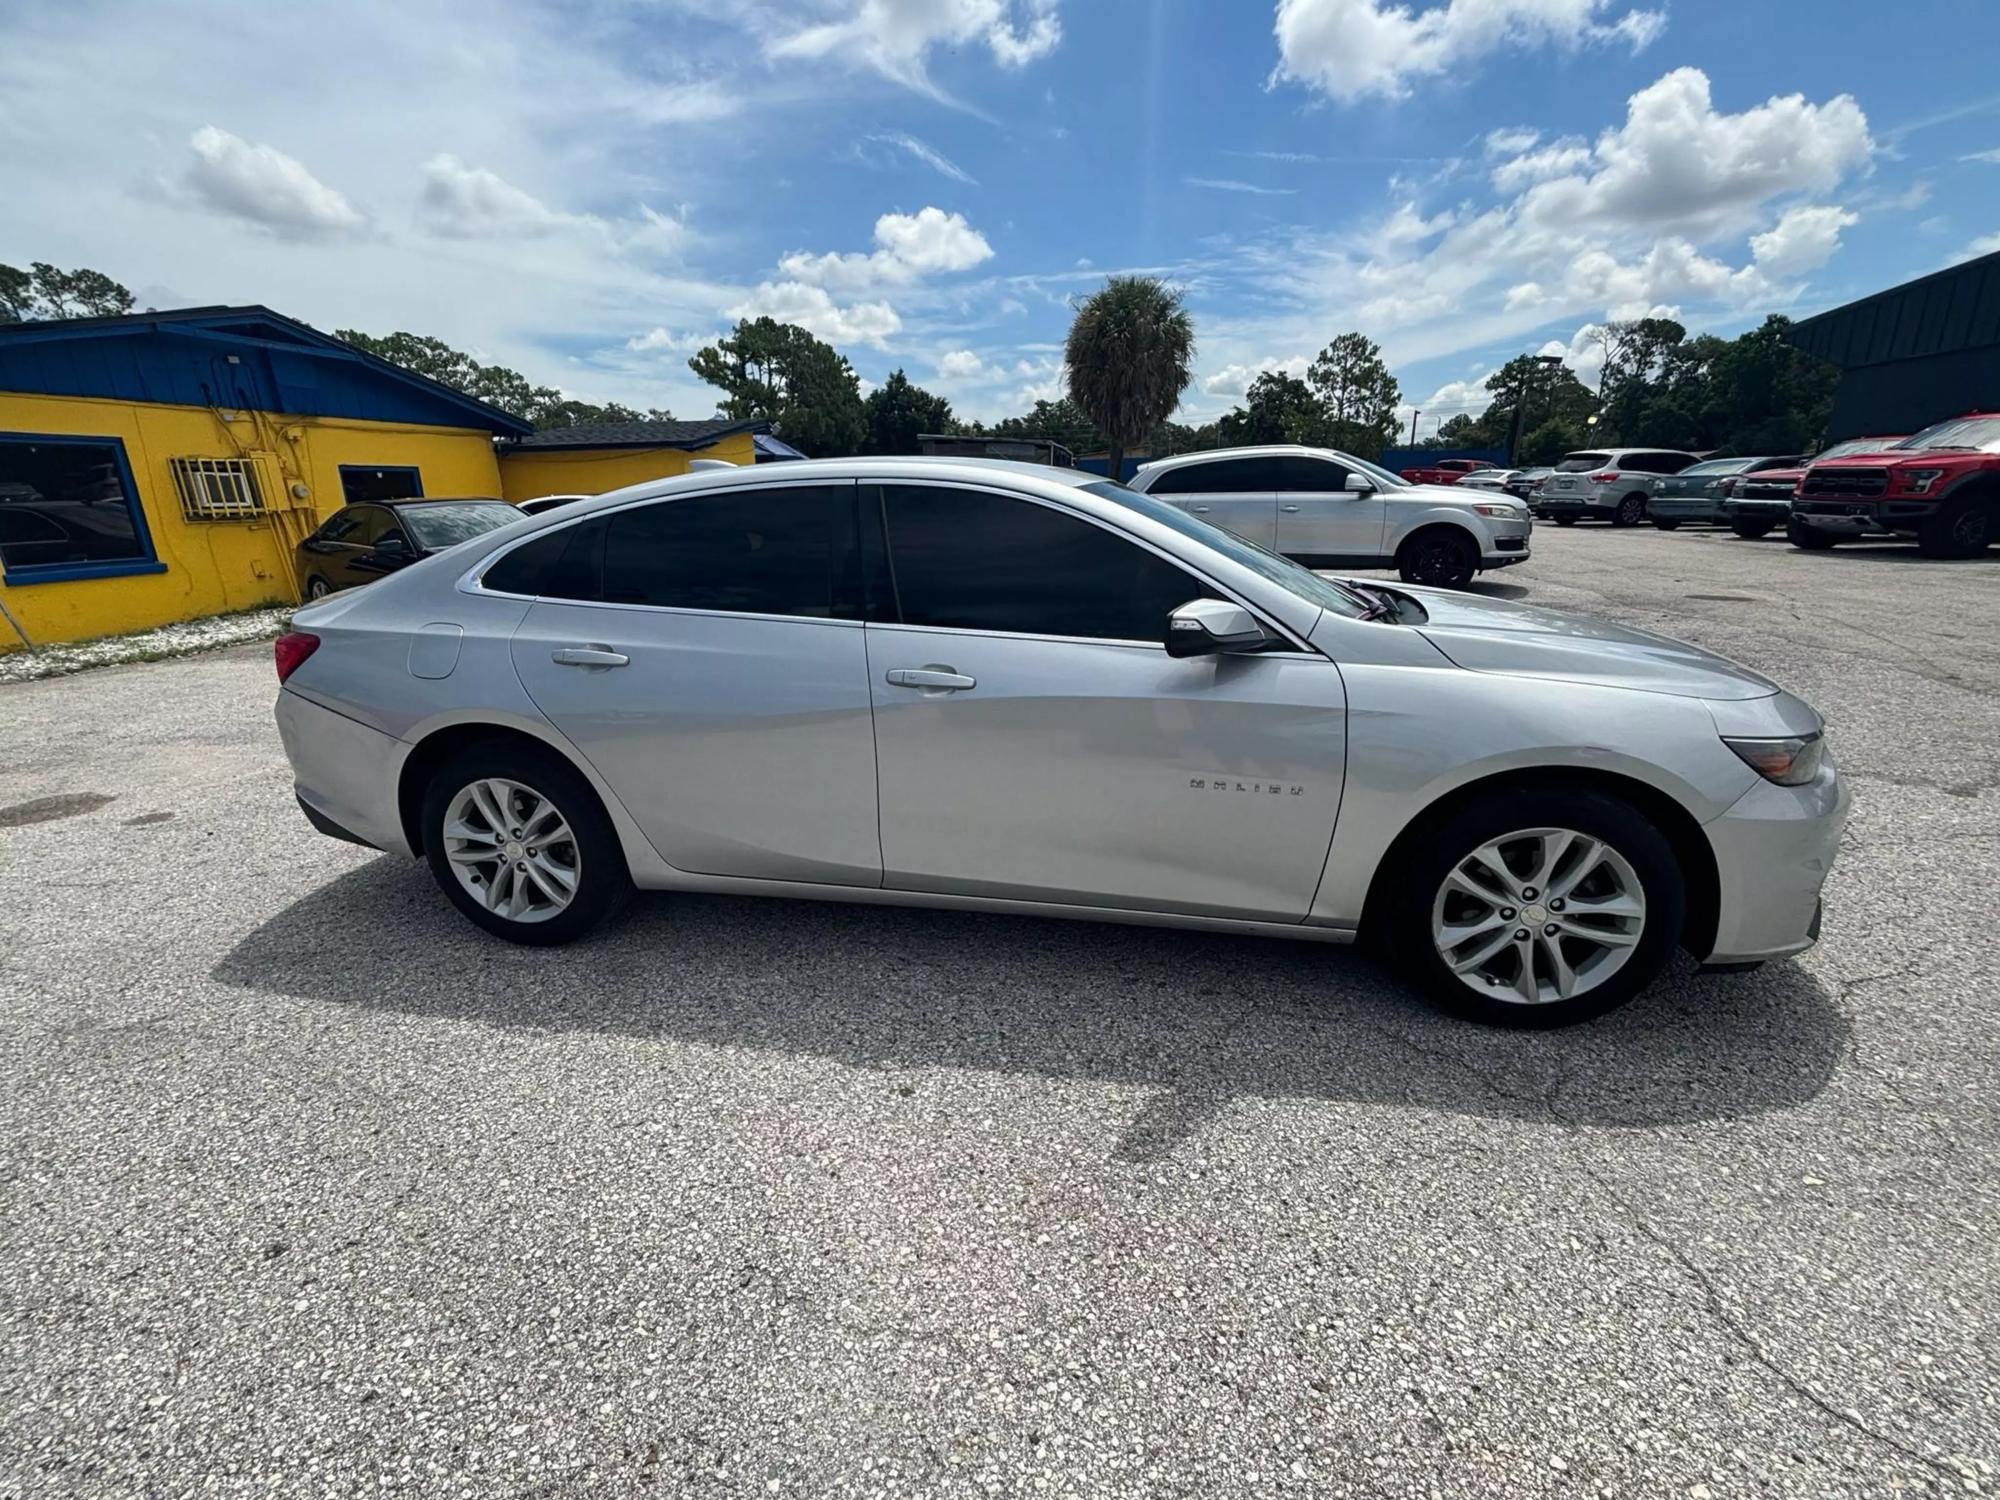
(1582, 463)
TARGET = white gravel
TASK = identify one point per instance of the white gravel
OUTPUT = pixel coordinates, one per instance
(183, 639)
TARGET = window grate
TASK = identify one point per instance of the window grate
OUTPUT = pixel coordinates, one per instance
(218, 489)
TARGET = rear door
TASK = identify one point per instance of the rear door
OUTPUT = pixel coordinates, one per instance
(1321, 522)
(705, 654)
(1237, 494)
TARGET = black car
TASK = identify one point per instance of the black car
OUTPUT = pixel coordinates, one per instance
(360, 543)
(1521, 483)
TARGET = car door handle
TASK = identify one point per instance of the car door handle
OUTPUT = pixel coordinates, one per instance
(1200, 510)
(936, 679)
(1288, 509)
(588, 656)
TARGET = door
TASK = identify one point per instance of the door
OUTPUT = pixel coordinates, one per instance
(705, 654)
(1236, 494)
(338, 546)
(1320, 521)
(1036, 742)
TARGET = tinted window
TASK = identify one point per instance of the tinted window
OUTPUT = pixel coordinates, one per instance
(1657, 463)
(1719, 466)
(1218, 476)
(969, 560)
(70, 505)
(368, 525)
(1299, 475)
(395, 483)
(448, 523)
(565, 564)
(1582, 463)
(767, 552)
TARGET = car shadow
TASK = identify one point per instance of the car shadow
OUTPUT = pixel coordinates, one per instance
(1200, 1020)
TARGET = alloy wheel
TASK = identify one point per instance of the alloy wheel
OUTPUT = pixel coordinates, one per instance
(512, 849)
(1538, 915)
(1969, 530)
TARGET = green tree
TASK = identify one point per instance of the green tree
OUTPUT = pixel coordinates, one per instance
(899, 412)
(1278, 408)
(1357, 393)
(1130, 354)
(1061, 420)
(496, 385)
(47, 291)
(781, 373)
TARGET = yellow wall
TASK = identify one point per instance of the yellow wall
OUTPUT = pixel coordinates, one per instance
(529, 473)
(215, 566)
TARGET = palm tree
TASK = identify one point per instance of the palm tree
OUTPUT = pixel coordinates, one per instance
(1129, 355)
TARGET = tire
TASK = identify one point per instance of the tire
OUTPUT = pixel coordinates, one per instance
(1441, 556)
(1666, 525)
(1630, 511)
(1525, 822)
(1807, 538)
(1961, 530)
(1565, 520)
(317, 588)
(1751, 530)
(591, 855)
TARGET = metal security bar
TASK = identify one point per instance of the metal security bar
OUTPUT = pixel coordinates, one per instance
(218, 489)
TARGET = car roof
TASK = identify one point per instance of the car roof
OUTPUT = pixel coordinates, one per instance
(1255, 450)
(409, 500)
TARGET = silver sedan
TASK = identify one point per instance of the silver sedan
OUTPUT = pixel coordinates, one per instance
(999, 687)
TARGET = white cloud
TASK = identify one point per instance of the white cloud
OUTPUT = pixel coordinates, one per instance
(929, 155)
(813, 308)
(908, 247)
(262, 186)
(462, 202)
(1510, 140)
(1986, 244)
(895, 37)
(1803, 240)
(1234, 381)
(1234, 185)
(1992, 157)
(960, 364)
(1351, 49)
(666, 341)
(1556, 159)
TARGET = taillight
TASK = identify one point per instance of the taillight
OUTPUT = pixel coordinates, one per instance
(291, 649)
(1605, 478)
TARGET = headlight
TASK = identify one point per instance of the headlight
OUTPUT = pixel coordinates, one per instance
(1793, 761)
(1919, 481)
(1499, 512)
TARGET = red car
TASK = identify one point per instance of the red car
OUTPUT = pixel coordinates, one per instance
(1445, 471)
(1754, 505)
(1941, 487)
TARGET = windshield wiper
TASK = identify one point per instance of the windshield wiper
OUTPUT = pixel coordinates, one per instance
(1382, 605)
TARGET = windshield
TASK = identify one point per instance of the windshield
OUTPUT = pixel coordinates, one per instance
(1720, 466)
(1384, 480)
(436, 527)
(1579, 463)
(1853, 446)
(1282, 571)
(1980, 433)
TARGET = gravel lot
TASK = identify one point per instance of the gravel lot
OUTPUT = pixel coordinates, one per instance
(312, 1189)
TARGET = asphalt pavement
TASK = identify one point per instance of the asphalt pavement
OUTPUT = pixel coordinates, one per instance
(312, 1189)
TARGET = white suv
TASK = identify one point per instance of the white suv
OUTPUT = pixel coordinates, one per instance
(1328, 509)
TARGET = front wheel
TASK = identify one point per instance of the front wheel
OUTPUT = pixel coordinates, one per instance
(1529, 907)
(1630, 512)
(1808, 538)
(1961, 530)
(317, 588)
(1751, 530)
(1666, 525)
(1565, 520)
(519, 842)
(1442, 557)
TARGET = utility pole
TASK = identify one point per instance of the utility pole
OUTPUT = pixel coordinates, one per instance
(1414, 414)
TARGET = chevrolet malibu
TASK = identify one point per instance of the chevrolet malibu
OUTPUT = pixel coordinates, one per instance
(998, 687)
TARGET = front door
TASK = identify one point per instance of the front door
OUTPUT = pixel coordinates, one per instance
(1036, 742)
(1233, 493)
(705, 654)
(1323, 523)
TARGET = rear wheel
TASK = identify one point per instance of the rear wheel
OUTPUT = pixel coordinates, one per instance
(1666, 525)
(1808, 538)
(1441, 556)
(519, 842)
(1565, 520)
(1630, 512)
(317, 588)
(1960, 530)
(1530, 907)
(1751, 530)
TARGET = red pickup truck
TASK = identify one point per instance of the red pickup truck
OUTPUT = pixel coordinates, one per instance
(1445, 471)
(1941, 487)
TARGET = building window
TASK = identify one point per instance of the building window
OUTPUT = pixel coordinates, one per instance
(69, 509)
(363, 482)
(218, 489)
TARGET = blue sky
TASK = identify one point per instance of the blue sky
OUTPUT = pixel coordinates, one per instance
(590, 191)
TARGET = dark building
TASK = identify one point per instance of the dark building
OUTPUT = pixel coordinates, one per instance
(1915, 354)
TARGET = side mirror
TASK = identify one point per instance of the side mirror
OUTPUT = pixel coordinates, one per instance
(392, 545)
(1210, 627)
(1359, 484)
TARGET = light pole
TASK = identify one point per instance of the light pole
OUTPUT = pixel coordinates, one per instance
(1414, 414)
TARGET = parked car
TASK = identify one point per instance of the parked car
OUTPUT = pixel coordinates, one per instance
(1328, 509)
(361, 543)
(1523, 484)
(1013, 688)
(1941, 486)
(1697, 492)
(1758, 504)
(1486, 479)
(1610, 484)
(1444, 471)
(541, 503)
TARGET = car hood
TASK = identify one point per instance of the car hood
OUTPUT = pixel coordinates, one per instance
(1451, 494)
(1493, 635)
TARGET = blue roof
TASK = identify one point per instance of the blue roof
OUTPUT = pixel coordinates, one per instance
(233, 358)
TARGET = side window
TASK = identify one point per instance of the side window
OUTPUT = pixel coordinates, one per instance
(341, 525)
(565, 564)
(1218, 477)
(1299, 475)
(371, 523)
(972, 560)
(779, 551)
